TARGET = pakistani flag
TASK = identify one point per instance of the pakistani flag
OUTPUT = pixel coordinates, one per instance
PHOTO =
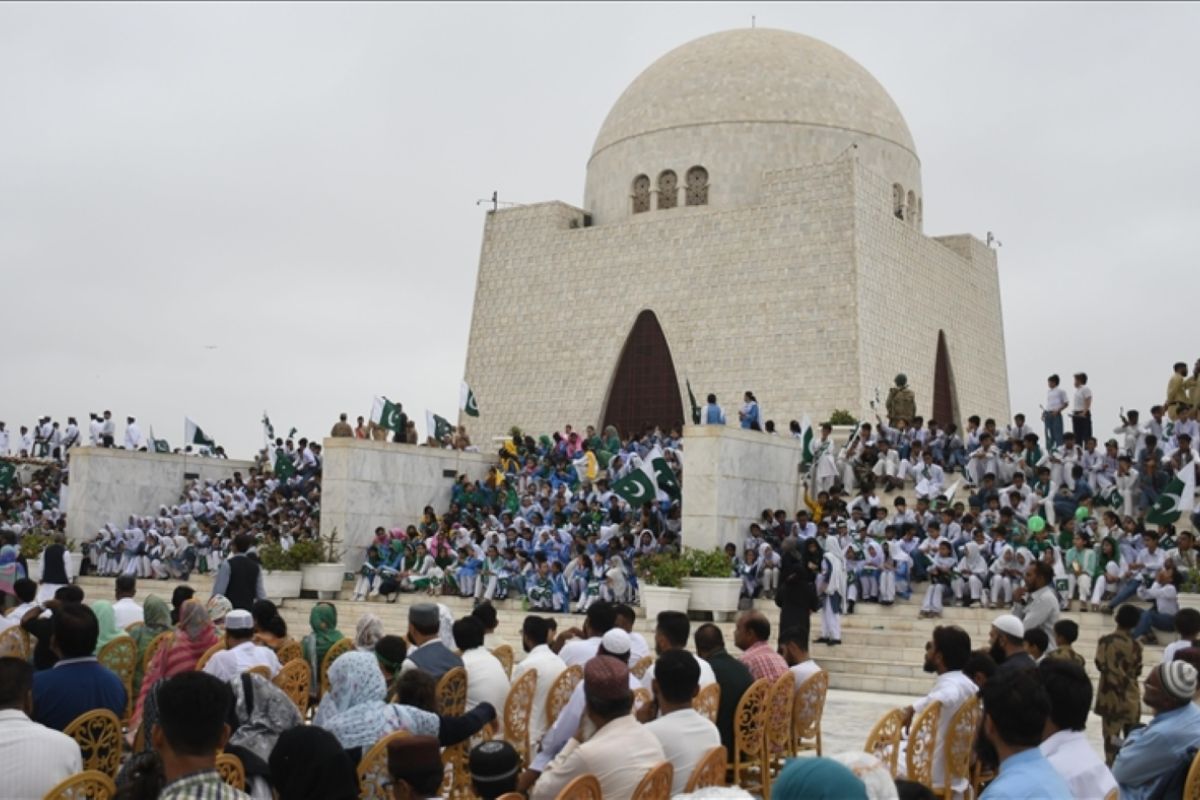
(695, 406)
(192, 434)
(437, 427)
(638, 487)
(806, 440)
(268, 429)
(387, 414)
(284, 468)
(1177, 498)
(8, 474)
(1114, 498)
(158, 445)
(664, 477)
(466, 401)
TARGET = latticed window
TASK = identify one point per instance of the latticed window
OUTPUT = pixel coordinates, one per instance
(668, 189)
(898, 200)
(641, 194)
(697, 186)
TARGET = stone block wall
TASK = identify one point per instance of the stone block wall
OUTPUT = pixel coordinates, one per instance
(366, 484)
(107, 485)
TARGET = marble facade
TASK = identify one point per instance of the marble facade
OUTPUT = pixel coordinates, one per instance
(107, 485)
(366, 484)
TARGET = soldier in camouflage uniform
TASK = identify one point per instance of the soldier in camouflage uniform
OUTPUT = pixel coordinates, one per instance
(1118, 699)
(901, 403)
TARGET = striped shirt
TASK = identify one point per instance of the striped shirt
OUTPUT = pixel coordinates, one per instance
(205, 785)
(763, 662)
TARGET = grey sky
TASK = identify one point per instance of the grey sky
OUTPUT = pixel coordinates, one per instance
(296, 185)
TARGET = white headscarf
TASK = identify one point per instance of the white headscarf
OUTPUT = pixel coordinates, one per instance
(836, 583)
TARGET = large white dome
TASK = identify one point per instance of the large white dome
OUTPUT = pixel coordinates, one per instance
(740, 103)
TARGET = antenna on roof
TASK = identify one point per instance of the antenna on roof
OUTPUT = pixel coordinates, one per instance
(496, 201)
(992, 240)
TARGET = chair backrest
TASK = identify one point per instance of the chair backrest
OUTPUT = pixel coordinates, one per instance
(14, 642)
(261, 669)
(131, 627)
(504, 654)
(98, 734)
(561, 691)
(121, 656)
(86, 785)
(709, 771)
(708, 701)
(452, 693)
(810, 705)
(922, 744)
(373, 776)
(585, 787)
(1191, 787)
(155, 645)
(883, 741)
(230, 768)
(518, 708)
(289, 652)
(643, 664)
(750, 719)
(294, 680)
(336, 650)
(960, 744)
(209, 653)
(657, 783)
(780, 701)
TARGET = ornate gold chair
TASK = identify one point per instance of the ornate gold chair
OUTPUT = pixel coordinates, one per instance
(373, 776)
(806, 714)
(209, 653)
(922, 744)
(504, 654)
(230, 768)
(709, 771)
(121, 656)
(518, 708)
(778, 733)
(657, 783)
(883, 741)
(294, 679)
(708, 702)
(959, 745)
(751, 763)
(561, 691)
(585, 787)
(98, 734)
(643, 664)
(87, 785)
(451, 693)
(338, 649)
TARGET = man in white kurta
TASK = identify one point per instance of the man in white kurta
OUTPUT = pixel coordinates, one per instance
(33, 758)
(546, 663)
(685, 735)
(1067, 747)
(945, 653)
(611, 744)
(241, 652)
(133, 434)
(486, 679)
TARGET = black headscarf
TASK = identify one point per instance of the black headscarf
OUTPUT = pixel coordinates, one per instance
(308, 763)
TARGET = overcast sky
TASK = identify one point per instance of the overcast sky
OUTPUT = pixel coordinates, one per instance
(296, 185)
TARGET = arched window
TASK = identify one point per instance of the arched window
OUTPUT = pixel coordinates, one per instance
(668, 189)
(641, 194)
(898, 200)
(912, 206)
(697, 186)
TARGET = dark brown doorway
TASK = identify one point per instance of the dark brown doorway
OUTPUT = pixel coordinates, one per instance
(945, 396)
(645, 391)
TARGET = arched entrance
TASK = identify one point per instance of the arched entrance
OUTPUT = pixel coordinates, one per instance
(645, 391)
(945, 396)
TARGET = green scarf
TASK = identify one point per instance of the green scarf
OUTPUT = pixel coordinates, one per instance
(107, 619)
(323, 620)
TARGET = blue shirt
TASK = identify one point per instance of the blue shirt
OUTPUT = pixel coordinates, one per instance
(1151, 755)
(1027, 775)
(73, 687)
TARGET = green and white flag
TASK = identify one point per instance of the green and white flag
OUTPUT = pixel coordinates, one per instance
(8, 474)
(387, 414)
(466, 401)
(437, 427)
(192, 434)
(664, 476)
(1113, 498)
(692, 400)
(1176, 499)
(806, 440)
(158, 445)
(638, 487)
(284, 468)
(268, 429)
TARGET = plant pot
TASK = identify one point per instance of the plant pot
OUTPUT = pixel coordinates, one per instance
(282, 585)
(661, 598)
(718, 595)
(324, 579)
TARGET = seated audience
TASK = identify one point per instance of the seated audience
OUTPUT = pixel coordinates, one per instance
(240, 653)
(194, 636)
(671, 633)
(77, 683)
(732, 676)
(818, 779)
(1155, 757)
(126, 609)
(415, 764)
(751, 635)
(1015, 710)
(40, 625)
(192, 728)
(486, 679)
(428, 653)
(684, 734)
(946, 654)
(494, 766)
(1065, 745)
(33, 758)
(793, 646)
(535, 638)
(307, 763)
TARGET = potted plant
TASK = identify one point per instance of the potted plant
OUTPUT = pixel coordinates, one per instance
(712, 582)
(34, 544)
(320, 560)
(660, 579)
(281, 573)
(843, 423)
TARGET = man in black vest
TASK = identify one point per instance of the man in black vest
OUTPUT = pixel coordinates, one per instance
(428, 655)
(240, 578)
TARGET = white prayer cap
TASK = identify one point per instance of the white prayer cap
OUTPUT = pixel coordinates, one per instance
(1007, 623)
(616, 642)
(239, 620)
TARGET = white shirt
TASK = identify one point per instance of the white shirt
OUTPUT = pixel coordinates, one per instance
(33, 758)
(228, 664)
(804, 670)
(133, 437)
(486, 681)
(1073, 757)
(548, 666)
(1056, 399)
(581, 651)
(685, 736)
(1082, 395)
(127, 611)
(1174, 647)
(952, 689)
(638, 649)
(619, 755)
(566, 725)
(706, 674)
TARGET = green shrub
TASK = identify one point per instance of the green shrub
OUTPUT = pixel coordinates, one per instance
(663, 569)
(707, 563)
(841, 416)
